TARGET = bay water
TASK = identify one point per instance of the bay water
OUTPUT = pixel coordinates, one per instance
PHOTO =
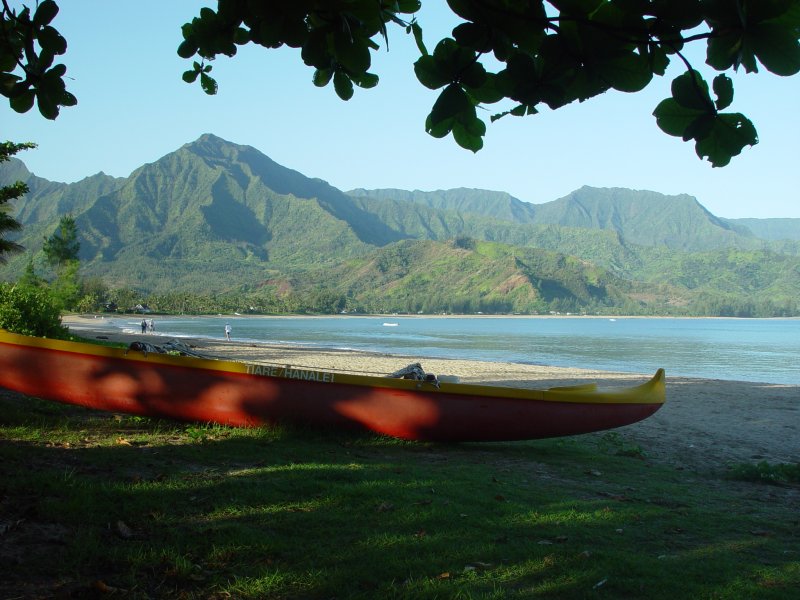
(760, 350)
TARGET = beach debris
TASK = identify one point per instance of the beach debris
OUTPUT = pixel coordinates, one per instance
(174, 347)
(415, 372)
(412, 371)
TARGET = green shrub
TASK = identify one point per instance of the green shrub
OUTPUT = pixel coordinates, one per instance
(30, 311)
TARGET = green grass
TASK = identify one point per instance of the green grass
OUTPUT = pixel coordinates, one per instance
(764, 472)
(92, 503)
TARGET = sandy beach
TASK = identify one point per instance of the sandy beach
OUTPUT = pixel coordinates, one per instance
(704, 426)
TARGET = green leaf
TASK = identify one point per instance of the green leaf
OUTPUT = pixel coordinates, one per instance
(489, 92)
(673, 118)
(626, 73)
(315, 51)
(657, 60)
(518, 111)
(730, 134)
(453, 61)
(322, 77)
(523, 110)
(366, 80)
(241, 37)
(7, 83)
(8, 61)
(439, 129)
(408, 6)
(417, 31)
(778, 48)
(187, 49)
(681, 14)
(51, 41)
(428, 74)
(700, 128)
(450, 104)
(208, 83)
(48, 108)
(723, 88)
(473, 76)
(765, 10)
(68, 99)
(351, 52)
(723, 51)
(45, 13)
(342, 85)
(691, 91)
(23, 102)
(190, 76)
(58, 71)
(465, 137)
(473, 35)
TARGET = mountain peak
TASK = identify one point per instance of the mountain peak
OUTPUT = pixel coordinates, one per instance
(212, 146)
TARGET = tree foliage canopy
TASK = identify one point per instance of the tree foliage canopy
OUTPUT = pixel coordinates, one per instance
(527, 53)
(29, 46)
(62, 247)
(518, 54)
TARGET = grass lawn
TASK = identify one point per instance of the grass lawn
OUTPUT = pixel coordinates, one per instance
(98, 505)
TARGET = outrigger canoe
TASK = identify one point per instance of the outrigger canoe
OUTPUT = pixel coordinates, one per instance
(241, 394)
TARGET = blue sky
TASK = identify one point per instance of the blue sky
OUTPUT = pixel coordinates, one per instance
(134, 108)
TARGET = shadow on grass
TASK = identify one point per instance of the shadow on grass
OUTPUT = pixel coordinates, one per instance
(92, 504)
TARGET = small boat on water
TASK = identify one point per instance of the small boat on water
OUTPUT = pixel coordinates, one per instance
(249, 394)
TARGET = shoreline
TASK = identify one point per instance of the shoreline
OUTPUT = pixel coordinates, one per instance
(705, 425)
(209, 329)
(424, 316)
(472, 371)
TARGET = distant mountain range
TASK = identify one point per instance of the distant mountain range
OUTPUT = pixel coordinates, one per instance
(218, 217)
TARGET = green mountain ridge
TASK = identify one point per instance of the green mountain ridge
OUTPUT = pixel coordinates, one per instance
(771, 229)
(217, 217)
(638, 216)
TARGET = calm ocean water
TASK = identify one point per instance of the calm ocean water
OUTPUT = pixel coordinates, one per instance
(765, 350)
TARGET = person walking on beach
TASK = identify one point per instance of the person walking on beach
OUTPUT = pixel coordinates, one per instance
(151, 326)
(227, 332)
(144, 326)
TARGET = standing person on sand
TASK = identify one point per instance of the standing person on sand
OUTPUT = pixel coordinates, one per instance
(144, 326)
(227, 332)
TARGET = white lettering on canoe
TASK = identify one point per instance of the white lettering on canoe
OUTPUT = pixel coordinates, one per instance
(289, 373)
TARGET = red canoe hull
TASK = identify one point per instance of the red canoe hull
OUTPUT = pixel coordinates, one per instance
(250, 395)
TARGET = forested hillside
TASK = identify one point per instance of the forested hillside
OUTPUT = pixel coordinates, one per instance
(220, 219)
